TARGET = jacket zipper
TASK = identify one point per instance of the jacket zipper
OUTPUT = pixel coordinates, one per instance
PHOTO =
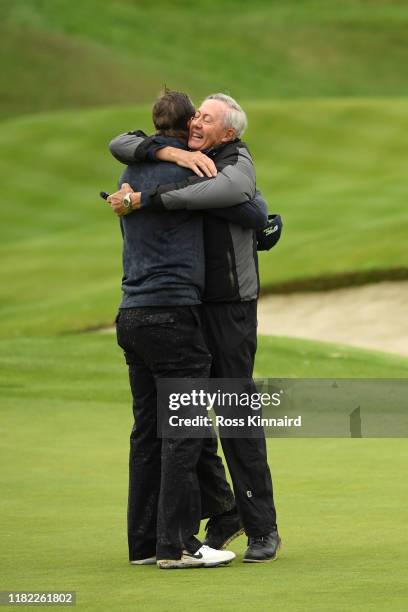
(230, 273)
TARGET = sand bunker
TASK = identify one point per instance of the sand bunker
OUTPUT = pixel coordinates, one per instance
(372, 316)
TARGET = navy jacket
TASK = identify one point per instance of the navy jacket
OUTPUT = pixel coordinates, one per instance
(163, 253)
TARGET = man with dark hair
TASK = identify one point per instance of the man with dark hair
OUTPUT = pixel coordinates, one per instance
(231, 287)
(159, 329)
(171, 113)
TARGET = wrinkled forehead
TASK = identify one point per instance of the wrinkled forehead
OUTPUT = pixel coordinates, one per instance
(216, 109)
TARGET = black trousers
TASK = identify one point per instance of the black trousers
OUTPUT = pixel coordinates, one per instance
(231, 335)
(166, 503)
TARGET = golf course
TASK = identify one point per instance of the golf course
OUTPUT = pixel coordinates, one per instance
(324, 86)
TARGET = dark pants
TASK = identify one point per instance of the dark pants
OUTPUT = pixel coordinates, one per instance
(230, 332)
(164, 505)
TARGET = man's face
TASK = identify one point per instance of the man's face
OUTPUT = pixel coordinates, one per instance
(207, 126)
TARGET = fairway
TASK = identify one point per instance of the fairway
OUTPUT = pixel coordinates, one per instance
(66, 402)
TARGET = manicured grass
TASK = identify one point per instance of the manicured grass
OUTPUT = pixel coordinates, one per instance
(292, 358)
(334, 169)
(66, 420)
(112, 52)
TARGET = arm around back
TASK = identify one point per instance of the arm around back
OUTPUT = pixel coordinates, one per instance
(250, 215)
(234, 184)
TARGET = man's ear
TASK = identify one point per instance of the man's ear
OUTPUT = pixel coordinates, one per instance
(229, 135)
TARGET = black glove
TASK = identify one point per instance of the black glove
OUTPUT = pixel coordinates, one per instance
(269, 236)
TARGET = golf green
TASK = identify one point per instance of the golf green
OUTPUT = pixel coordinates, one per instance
(65, 426)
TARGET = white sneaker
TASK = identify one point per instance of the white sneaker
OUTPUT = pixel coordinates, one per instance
(148, 561)
(204, 557)
(213, 557)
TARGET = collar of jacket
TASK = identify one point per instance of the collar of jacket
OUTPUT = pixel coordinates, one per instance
(218, 148)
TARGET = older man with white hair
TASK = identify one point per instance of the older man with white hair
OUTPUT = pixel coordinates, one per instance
(224, 177)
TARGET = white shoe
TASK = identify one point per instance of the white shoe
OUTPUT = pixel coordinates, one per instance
(148, 561)
(204, 557)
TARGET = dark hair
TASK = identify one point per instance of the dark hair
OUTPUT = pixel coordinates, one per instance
(171, 112)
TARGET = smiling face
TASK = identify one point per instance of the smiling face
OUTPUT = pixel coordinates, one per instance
(207, 127)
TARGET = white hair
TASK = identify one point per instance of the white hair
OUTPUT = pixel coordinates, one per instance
(235, 117)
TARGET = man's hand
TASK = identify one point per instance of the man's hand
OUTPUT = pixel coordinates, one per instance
(196, 161)
(116, 200)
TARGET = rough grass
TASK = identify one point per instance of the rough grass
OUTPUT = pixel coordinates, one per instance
(55, 57)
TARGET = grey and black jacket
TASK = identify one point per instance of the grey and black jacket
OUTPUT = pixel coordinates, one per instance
(231, 264)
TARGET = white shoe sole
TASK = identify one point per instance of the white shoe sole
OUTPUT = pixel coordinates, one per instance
(177, 564)
(148, 561)
(188, 564)
(218, 563)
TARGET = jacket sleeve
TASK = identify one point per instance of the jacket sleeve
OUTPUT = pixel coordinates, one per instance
(234, 184)
(136, 146)
(127, 147)
(250, 215)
